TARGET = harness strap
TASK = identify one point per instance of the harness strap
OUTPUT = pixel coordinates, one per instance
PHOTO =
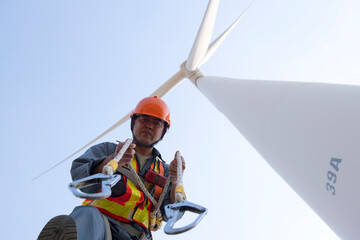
(126, 171)
(107, 226)
(128, 228)
(133, 231)
(134, 177)
(159, 190)
(139, 183)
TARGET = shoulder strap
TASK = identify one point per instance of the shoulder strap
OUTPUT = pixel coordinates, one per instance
(158, 190)
(107, 226)
(153, 189)
(126, 171)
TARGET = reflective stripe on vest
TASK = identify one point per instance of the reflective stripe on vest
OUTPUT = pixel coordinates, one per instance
(159, 169)
(132, 205)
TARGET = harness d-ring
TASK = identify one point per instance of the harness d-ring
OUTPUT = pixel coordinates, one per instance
(175, 211)
(106, 179)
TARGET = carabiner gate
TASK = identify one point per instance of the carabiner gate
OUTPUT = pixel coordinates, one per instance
(175, 211)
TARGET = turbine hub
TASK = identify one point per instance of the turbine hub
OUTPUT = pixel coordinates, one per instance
(191, 75)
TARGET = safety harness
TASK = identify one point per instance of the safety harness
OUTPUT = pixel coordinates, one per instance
(159, 192)
(174, 211)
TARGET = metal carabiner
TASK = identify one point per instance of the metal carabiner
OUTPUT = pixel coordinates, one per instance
(175, 212)
(107, 179)
(106, 182)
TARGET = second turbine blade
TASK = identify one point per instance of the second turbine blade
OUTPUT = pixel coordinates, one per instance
(203, 37)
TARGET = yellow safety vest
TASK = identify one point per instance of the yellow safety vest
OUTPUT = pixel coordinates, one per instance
(133, 205)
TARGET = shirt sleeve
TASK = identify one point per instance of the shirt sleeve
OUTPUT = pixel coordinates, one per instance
(83, 165)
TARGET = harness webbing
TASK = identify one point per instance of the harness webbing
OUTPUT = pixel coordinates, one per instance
(155, 215)
(137, 181)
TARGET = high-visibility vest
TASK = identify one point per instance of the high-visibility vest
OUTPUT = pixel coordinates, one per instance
(133, 205)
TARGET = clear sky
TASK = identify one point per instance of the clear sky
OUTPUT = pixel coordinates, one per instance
(71, 69)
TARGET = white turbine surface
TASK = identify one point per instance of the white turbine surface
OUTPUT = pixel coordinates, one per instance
(307, 132)
(216, 43)
(202, 41)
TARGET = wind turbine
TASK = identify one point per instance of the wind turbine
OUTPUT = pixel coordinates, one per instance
(305, 131)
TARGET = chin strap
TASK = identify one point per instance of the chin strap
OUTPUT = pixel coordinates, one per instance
(136, 141)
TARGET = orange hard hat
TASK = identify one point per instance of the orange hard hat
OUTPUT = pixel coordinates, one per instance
(155, 107)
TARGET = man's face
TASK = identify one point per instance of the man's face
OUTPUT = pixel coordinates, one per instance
(148, 129)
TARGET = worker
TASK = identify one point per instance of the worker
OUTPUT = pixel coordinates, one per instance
(127, 211)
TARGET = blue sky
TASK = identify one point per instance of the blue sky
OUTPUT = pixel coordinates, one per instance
(70, 69)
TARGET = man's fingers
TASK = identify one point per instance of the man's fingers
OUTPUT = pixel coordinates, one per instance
(129, 154)
(130, 151)
(183, 163)
(173, 167)
(121, 144)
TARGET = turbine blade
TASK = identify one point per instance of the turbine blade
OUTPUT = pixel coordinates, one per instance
(216, 43)
(169, 84)
(203, 37)
(161, 91)
(301, 129)
(118, 123)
